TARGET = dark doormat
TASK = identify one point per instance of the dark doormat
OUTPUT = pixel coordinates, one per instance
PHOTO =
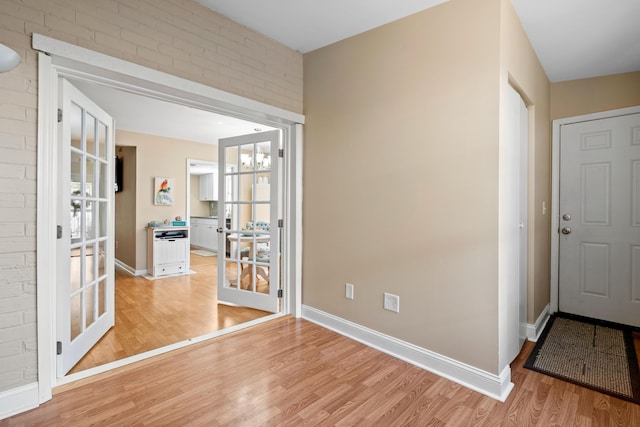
(591, 353)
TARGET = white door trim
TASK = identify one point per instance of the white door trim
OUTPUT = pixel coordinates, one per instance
(555, 188)
(64, 59)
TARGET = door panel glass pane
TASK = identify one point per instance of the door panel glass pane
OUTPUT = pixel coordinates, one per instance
(102, 248)
(90, 264)
(76, 269)
(231, 157)
(90, 127)
(75, 226)
(76, 315)
(261, 189)
(245, 217)
(231, 188)
(262, 215)
(76, 174)
(90, 177)
(102, 297)
(90, 305)
(90, 227)
(245, 190)
(101, 218)
(263, 156)
(102, 140)
(233, 246)
(247, 157)
(103, 181)
(75, 121)
(232, 273)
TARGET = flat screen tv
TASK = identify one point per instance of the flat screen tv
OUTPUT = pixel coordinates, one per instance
(118, 166)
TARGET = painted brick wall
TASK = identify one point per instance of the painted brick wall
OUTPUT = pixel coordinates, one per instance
(179, 37)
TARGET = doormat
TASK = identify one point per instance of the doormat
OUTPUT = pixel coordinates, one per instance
(203, 252)
(590, 353)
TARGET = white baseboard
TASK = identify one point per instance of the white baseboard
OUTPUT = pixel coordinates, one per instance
(18, 400)
(534, 331)
(132, 271)
(495, 386)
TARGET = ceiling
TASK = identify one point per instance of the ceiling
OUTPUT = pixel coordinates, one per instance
(573, 38)
(142, 114)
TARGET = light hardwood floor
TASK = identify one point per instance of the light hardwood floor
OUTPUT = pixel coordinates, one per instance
(153, 314)
(290, 372)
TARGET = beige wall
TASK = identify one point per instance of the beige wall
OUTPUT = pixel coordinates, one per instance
(585, 96)
(163, 157)
(521, 69)
(179, 37)
(401, 179)
(125, 209)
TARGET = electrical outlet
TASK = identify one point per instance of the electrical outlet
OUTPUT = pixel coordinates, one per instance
(348, 291)
(391, 302)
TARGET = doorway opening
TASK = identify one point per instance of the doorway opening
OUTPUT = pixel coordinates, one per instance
(131, 78)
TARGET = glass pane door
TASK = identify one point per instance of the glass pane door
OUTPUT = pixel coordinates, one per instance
(249, 273)
(85, 257)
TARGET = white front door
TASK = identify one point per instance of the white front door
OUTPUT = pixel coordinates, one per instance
(85, 250)
(599, 224)
(249, 195)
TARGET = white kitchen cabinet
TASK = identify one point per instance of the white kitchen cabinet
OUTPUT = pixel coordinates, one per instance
(167, 251)
(209, 187)
(204, 233)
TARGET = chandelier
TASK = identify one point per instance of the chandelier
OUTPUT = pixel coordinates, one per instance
(262, 161)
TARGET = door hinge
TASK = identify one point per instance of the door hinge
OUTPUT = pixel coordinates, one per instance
(279, 293)
(59, 115)
(280, 223)
(59, 347)
(281, 152)
(59, 232)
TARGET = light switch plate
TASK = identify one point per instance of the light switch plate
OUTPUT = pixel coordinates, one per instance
(348, 291)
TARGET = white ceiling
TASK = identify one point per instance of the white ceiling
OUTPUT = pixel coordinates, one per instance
(577, 39)
(573, 38)
(142, 114)
(306, 25)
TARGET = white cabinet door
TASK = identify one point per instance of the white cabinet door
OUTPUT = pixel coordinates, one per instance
(210, 235)
(204, 233)
(196, 227)
(209, 187)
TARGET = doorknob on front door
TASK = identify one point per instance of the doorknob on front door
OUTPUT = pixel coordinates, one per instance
(566, 230)
(566, 217)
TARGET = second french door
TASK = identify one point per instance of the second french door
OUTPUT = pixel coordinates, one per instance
(249, 194)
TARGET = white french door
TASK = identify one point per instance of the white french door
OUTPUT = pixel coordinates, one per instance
(513, 220)
(249, 194)
(599, 224)
(85, 250)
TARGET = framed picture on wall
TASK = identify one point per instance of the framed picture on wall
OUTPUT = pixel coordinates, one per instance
(163, 191)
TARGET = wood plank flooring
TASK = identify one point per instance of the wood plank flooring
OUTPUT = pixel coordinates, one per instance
(154, 313)
(290, 372)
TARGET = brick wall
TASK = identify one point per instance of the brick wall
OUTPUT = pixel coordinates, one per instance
(179, 37)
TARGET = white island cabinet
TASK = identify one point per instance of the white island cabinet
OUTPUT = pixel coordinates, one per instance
(204, 233)
(167, 251)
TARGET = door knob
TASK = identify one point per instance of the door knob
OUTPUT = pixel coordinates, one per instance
(566, 230)
(566, 217)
